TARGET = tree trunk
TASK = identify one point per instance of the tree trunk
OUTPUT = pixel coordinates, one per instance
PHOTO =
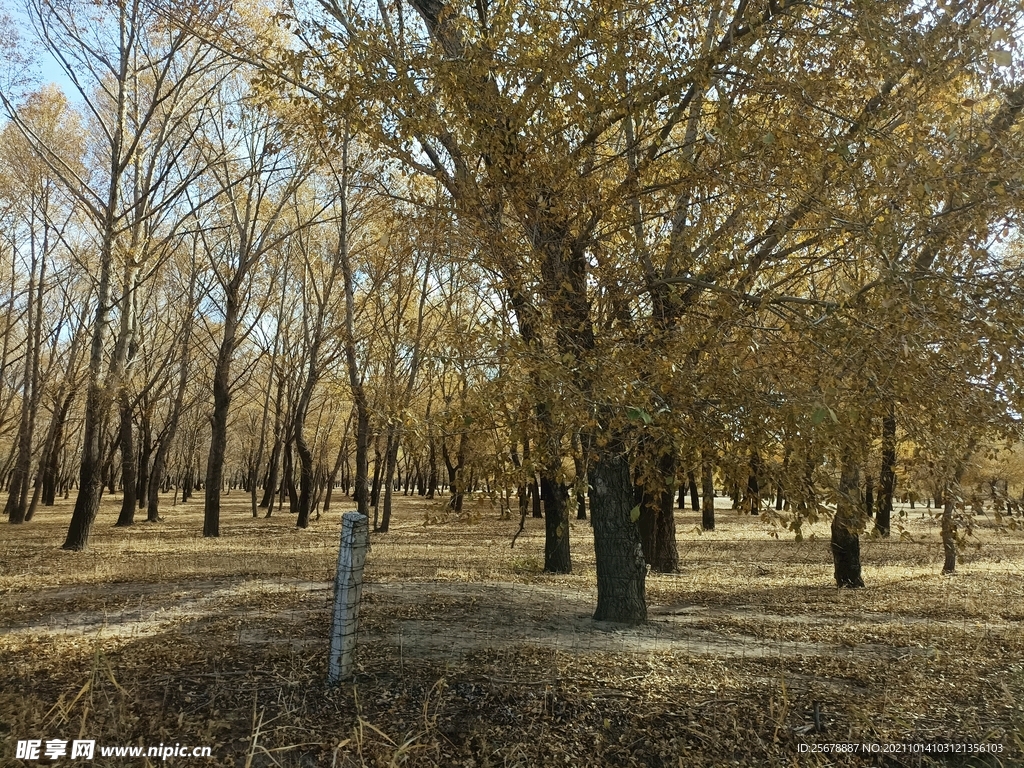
(707, 481)
(145, 457)
(219, 418)
(887, 476)
(621, 570)
(390, 462)
(666, 553)
(129, 463)
(378, 466)
(948, 533)
(581, 476)
(869, 496)
(17, 499)
(556, 526)
(754, 484)
(273, 472)
(170, 430)
(288, 478)
(342, 456)
(847, 524)
(361, 489)
(691, 481)
(51, 458)
(90, 479)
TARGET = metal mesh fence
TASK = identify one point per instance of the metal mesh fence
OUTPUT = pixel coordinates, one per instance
(750, 629)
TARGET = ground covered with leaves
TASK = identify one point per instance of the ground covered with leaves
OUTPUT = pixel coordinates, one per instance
(469, 655)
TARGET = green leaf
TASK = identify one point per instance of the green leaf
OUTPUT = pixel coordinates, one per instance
(820, 412)
(638, 414)
(634, 513)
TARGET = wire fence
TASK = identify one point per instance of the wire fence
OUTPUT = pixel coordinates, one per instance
(751, 616)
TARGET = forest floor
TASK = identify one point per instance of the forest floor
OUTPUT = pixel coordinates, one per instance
(469, 655)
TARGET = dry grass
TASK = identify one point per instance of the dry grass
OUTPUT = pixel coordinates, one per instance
(470, 655)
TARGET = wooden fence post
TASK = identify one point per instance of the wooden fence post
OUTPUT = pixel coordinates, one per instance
(348, 584)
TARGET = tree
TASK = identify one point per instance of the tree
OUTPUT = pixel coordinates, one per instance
(143, 85)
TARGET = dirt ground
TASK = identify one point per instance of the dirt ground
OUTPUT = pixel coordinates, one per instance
(469, 655)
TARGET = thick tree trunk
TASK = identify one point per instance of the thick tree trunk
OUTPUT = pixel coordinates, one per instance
(847, 525)
(621, 570)
(887, 476)
(556, 526)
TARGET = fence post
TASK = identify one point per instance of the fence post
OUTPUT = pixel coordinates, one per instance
(348, 584)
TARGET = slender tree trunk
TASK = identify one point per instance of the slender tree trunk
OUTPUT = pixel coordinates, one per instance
(378, 465)
(432, 470)
(305, 497)
(754, 484)
(361, 483)
(18, 497)
(170, 430)
(342, 456)
(145, 457)
(90, 478)
(707, 481)
(948, 532)
(362, 490)
(129, 462)
(691, 481)
(257, 461)
(52, 454)
(273, 471)
(581, 473)
(887, 476)
(391, 460)
(289, 478)
(219, 418)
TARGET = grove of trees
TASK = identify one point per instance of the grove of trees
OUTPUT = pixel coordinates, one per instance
(587, 259)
